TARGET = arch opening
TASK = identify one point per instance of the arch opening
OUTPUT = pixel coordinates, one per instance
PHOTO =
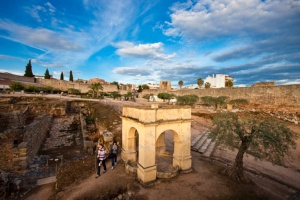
(133, 144)
(165, 151)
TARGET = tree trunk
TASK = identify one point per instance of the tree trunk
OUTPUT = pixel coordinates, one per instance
(236, 171)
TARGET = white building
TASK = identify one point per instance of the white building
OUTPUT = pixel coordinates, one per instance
(152, 85)
(218, 81)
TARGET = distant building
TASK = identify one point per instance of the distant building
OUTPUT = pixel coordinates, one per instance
(191, 87)
(41, 77)
(218, 81)
(152, 86)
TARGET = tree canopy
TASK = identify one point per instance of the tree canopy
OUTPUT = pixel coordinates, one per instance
(180, 83)
(229, 83)
(263, 138)
(16, 86)
(47, 75)
(95, 88)
(165, 95)
(115, 95)
(62, 76)
(140, 89)
(187, 99)
(200, 82)
(207, 85)
(28, 70)
(145, 87)
(71, 76)
(214, 101)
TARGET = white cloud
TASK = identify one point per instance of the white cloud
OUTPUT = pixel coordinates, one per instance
(40, 37)
(154, 50)
(211, 18)
(131, 71)
(51, 8)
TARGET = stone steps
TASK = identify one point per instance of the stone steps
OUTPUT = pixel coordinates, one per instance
(202, 144)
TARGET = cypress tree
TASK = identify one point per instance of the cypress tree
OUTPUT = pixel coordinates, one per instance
(47, 75)
(62, 76)
(71, 76)
(28, 70)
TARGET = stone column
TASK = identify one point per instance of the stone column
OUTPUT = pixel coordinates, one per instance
(182, 148)
(146, 163)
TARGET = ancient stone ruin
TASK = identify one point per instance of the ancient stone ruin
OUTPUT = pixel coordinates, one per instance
(143, 137)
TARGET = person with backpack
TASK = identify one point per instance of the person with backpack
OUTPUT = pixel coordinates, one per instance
(101, 156)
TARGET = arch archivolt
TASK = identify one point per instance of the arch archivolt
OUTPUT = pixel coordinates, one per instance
(141, 123)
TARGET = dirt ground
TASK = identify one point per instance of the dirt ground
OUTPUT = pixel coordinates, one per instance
(204, 182)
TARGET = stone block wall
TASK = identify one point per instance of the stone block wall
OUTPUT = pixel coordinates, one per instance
(165, 85)
(18, 118)
(87, 144)
(6, 154)
(65, 85)
(284, 97)
(35, 134)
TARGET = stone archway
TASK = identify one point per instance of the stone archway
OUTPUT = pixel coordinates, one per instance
(164, 154)
(150, 123)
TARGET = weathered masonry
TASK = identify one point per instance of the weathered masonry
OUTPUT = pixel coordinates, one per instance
(143, 131)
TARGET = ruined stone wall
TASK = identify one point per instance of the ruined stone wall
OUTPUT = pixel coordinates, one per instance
(17, 78)
(65, 85)
(6, 154)
(35, 134)
(165, 85)
(10, 118)
(283, 97)
(18, 117)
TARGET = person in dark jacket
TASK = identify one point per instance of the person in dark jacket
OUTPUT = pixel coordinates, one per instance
(114, 152)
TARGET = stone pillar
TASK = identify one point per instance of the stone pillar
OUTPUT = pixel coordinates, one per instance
(182, 148)
(146, 162)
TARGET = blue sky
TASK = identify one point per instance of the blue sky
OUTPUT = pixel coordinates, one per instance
(147, 41)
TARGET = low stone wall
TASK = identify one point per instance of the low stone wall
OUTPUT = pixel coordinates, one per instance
(35, 134)
(17, 78)
(167, 175)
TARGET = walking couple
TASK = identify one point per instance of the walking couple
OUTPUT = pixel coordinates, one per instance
(101, 157)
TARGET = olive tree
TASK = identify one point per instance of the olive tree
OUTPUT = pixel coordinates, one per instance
(263, 138)
(187, 99)
(165, 96)
(215, 101)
